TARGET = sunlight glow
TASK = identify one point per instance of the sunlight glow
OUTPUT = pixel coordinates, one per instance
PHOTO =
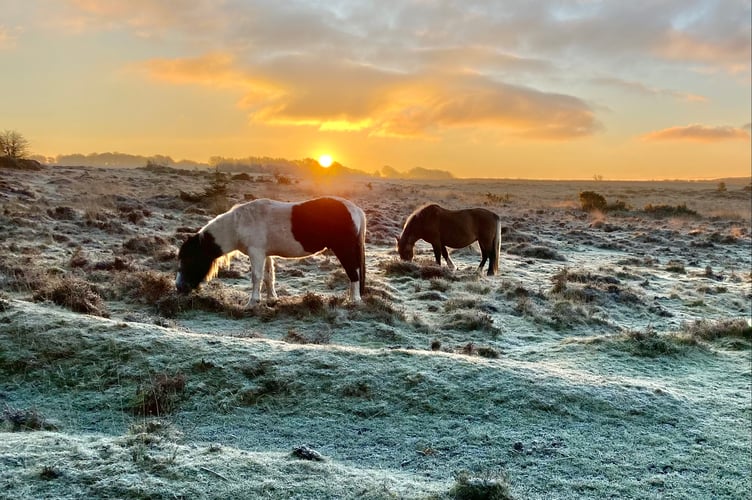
(325, 161)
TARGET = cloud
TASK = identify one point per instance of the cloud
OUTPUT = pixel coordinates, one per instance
(698, 133)
(642, 89)
(304, 90)
(422, 105)
(731, 54)
(415, 68)
(145, 18)
(523, 36)
(8, 38)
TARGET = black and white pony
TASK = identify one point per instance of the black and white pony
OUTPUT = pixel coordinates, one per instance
(264, 228)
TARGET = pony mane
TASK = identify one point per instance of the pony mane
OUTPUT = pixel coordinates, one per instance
(415, 214)
(222, 262)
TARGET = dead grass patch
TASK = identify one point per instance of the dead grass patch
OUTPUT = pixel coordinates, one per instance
(733, 333)
(73, 293)
(646, 343)
(535, 252)
(146, 245)
(663, 211)
(160, 395)
(317, 337)
(470, 349)
(413, 270)
(148, 287)
(310, 305)
(467, 322)
(214, 299)
(467, 487)
(375, 308)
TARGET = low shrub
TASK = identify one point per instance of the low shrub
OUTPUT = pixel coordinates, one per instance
(590, 201)
(670, 211)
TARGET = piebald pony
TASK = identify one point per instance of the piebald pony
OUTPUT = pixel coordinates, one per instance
(264, 229)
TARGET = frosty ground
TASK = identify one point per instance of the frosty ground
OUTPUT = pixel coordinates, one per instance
(610, 357)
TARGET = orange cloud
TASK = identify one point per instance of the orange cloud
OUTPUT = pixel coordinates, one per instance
(698, 133)
(216, 70)
(343, 96)
(451, 100)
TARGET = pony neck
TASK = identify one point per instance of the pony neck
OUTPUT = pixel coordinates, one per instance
(221, 229)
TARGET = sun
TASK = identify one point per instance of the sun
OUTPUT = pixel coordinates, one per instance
(325, 161)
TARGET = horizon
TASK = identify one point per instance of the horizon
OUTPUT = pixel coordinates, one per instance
(524, 90)
(377, 174)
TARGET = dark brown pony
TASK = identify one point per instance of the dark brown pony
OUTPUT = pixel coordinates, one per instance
(444, 228)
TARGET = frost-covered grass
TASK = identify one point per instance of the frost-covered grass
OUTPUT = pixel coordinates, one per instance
(590, 367)
(579, 420)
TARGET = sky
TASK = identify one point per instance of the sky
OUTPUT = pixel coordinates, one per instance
(638, 89)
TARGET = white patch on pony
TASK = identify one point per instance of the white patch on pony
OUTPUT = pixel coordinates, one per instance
(355, 214)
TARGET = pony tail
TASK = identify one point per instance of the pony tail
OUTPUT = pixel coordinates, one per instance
(497, 247)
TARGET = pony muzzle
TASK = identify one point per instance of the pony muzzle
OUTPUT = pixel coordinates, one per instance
(181, 285)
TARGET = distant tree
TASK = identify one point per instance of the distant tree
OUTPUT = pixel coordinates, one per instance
(13, 144)
(721, 187)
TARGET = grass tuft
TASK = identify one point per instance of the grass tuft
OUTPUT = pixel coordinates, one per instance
(468, 322)
(472, 488)
(160, 396)
(75, 294)
(736, 333)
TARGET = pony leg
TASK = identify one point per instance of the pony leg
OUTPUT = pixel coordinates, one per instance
(493, 267)
(484, 257)
(355, 291)
(448, 260)
(437, 254)
(271, 293)
(257, 271)
(352, 261)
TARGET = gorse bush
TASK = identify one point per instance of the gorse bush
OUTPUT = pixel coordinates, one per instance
(590, 201)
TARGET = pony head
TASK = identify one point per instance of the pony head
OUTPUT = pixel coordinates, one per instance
(404, 248)
(197, 261)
